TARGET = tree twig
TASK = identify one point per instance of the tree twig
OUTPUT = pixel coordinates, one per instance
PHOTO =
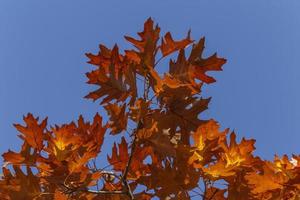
(126, 171)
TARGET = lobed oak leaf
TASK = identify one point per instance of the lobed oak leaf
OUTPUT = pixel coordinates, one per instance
(233, 158)
(137, 167)
(168, 181)
(285, 165)
(236, 154)
(168, 45)
(103, 59)
(182, 114)
(116, 79)
(13, 157)
(191, 111)
(195, 67)
(174, 88)
(33, 132)
(63, 142)
(180, 68)
(147, 44)
(27, 156)
(200, 66)
(161, 144)
(145, 56)
(119, 157)
(92, 135)
(117, 117)
(278, 178)
(218, 171)
(206, 143)
(20, 185)
(267, 181)
(147, 131)
(133, 57)
(139, 111)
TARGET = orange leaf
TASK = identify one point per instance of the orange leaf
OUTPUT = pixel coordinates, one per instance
(119, 157)
(118, 118)
(33, 132)
(115, 78)
(13, 157)
(168, 45)
(202, 65)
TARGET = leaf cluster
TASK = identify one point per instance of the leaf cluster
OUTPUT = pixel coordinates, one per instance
(162, 149)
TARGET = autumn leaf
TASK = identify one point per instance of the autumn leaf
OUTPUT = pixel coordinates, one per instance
(274, 177)
(118, 118)
(116, 79)
(102, 59)
(139, 111)
(147, 50)
(266, 182)
(28, 189)
(13, 157)
(168, 45)
(33, 132)
(233, 157)
(25, 156)
(147, 45)
(206, 143)
(202, 65)
(119, 157)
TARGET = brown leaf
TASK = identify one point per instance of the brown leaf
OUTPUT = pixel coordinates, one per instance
(139, 111)
(162, 145)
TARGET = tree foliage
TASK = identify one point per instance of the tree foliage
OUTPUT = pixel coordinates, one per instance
(162, 149)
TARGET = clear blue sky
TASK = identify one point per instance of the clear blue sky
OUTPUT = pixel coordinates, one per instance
(42, 61)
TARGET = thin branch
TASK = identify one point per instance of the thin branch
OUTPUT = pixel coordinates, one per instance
(158, 61)
(146, 87)
(125, 174)
(106, 192)
(212, 196)
(70, 190)
(126, 171)
(96, 168)
(205, 189)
